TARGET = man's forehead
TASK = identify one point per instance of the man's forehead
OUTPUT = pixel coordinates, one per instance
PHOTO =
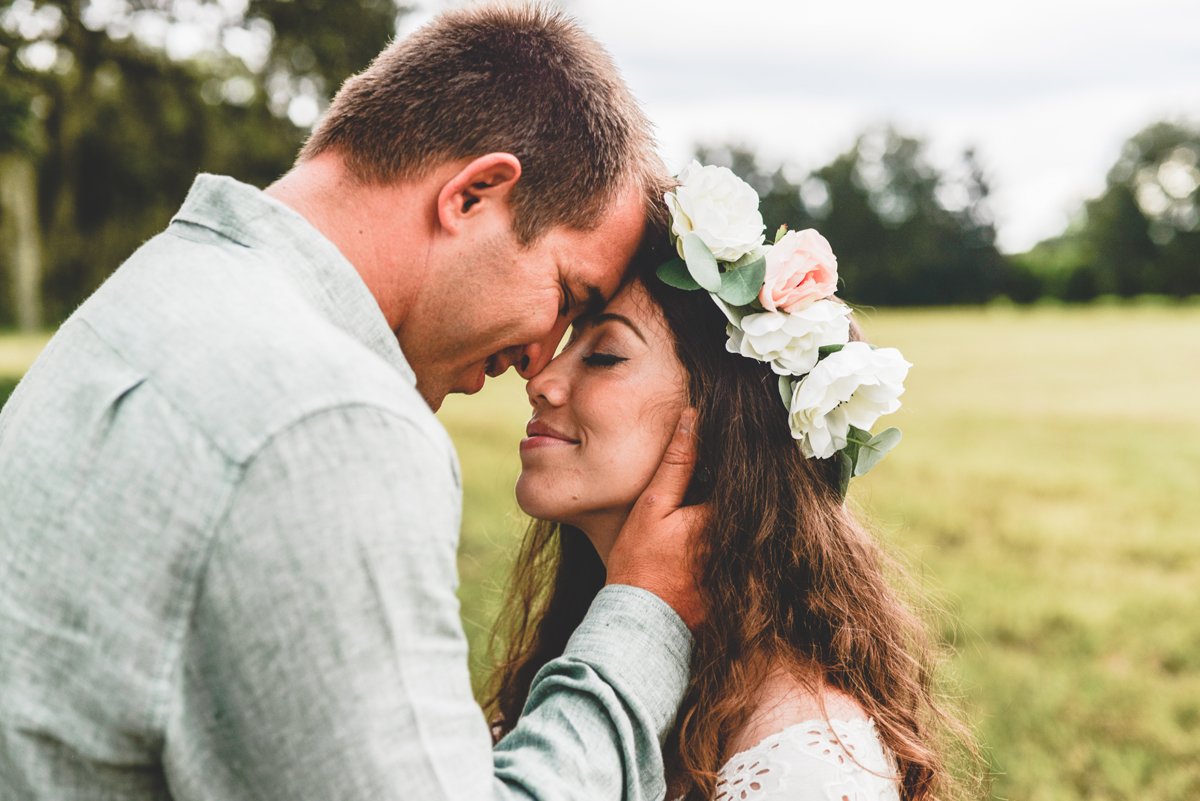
(609, 248)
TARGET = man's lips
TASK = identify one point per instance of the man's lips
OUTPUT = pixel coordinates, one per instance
(500, 361)
(538, 434)
(493, 367)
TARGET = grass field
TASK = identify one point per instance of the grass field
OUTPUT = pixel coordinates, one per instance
(1046, 495)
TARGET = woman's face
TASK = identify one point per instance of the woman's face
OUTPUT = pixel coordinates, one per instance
(604, 411)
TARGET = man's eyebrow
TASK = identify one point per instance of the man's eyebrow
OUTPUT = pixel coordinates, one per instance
(604, 317)
(595, 302)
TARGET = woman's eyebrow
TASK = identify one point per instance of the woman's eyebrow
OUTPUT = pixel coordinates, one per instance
(604, 317)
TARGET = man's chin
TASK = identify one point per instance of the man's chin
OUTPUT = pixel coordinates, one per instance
(469, 382)
(472, 381)
(433, 398)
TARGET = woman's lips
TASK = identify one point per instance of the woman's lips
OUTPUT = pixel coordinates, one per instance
(540, 435)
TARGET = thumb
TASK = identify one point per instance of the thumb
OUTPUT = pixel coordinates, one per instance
(670, 482)
(654, 549)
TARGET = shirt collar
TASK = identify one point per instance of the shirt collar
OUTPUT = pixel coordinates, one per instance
(249, 217)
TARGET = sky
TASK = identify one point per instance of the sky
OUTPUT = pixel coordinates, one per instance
(1046, 91)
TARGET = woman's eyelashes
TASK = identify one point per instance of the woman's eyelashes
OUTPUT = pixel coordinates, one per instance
(597, 359)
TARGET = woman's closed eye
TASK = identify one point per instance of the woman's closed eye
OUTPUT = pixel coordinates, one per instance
(597, 359)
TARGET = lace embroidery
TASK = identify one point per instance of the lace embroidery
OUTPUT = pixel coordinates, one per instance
(750, 775)
(839, 761)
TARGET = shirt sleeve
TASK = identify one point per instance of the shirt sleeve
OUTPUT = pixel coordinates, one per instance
(325, 658)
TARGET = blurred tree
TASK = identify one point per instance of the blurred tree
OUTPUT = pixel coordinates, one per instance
(1142, 235)
(1123, 257)
(131, 98)
(1144, 231)
(19, 229)
(905, 234)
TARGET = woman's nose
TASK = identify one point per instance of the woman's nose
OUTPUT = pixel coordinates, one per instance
(549, 384)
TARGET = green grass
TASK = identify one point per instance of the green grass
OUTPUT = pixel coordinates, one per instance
(1048, 487)
(486, 429)
(17, 352)
(7, 385)
(1046, 495)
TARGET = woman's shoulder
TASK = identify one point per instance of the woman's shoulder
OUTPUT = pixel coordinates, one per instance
(814, 760)
(804, 741)
(785, 700)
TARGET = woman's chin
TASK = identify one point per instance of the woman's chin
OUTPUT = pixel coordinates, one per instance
(537, 500)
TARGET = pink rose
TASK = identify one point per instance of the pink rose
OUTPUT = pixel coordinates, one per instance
(801, 269)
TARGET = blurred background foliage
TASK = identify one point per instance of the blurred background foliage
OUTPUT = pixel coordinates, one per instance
(108, 109)
(905, 234)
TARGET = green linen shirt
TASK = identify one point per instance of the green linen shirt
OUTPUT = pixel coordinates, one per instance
(228, 525)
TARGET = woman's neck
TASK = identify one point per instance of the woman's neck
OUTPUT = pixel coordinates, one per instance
(602, 529)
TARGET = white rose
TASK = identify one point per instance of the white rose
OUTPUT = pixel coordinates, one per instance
(853, 387)
(789, 342)
(717, 206)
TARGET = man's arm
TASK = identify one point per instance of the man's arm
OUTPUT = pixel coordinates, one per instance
(325, 657)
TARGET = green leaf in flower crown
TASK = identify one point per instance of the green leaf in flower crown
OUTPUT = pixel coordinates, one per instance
(874, 449)
(779, 234)
(740, 286)
(825, 350)
(675, 273)
(701, 263)
(846, 464)
(855, 439)
(785, 391)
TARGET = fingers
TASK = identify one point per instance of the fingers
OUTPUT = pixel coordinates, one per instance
(658, 545)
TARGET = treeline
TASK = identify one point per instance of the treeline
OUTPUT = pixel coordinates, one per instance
(108, 111)
(904, 233)
(1141, 236)
(908, 234)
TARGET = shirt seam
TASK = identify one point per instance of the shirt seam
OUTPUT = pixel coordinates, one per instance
(263, 437)
(174, 230)
(242, 227)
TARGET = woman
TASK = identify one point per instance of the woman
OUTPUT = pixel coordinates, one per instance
(810, 678)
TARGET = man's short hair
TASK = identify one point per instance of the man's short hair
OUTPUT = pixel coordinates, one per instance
(505, 77)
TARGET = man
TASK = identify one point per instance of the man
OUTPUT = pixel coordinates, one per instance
(229, 517)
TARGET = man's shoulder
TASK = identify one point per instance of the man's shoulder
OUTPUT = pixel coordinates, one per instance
(223, 335)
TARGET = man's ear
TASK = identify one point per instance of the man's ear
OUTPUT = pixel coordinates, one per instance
(481, 186)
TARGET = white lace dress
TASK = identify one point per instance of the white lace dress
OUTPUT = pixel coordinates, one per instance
(805, 762)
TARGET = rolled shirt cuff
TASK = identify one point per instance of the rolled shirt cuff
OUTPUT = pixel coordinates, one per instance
(637, 644)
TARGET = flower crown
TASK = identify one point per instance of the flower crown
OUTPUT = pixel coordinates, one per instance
(776, 298)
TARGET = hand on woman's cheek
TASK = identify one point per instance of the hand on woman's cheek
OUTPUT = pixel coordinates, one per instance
(604, 411)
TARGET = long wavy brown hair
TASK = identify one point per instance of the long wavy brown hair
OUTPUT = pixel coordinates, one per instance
(788, 576)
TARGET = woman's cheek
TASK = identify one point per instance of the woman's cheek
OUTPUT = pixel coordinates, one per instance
(657, 427)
